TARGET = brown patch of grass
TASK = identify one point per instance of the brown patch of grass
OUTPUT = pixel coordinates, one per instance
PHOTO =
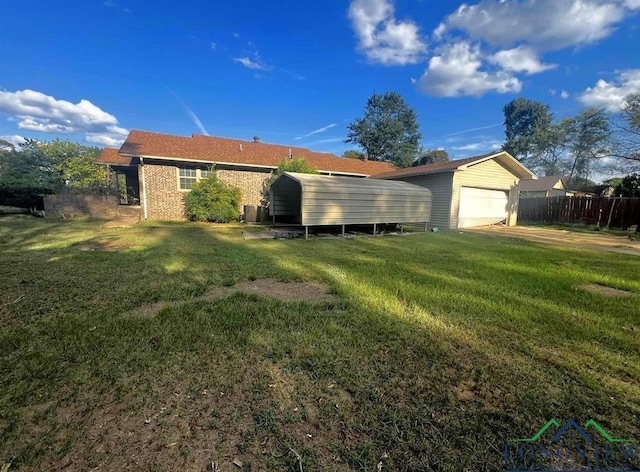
(604, 290)
(312, 292)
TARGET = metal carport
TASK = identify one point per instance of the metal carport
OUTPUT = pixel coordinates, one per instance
(319, 200)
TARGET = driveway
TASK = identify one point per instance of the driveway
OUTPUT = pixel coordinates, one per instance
(596, 241)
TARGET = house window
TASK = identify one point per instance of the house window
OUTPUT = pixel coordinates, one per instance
(187, 176)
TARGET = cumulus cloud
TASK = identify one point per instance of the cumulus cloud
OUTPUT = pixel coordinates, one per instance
(381, 37)
(36, 111)
(252, 64)
(611, 95)
(545, 24)
(520, 59)
(458, 70)
(564, 94)
(15, 140)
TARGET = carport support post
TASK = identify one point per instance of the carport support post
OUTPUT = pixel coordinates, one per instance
(426, 226)
(343, 226)
(306, 232)
(374, 229)
(401, 227)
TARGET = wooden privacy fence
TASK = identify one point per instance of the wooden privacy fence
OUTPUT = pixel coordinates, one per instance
(615, 212)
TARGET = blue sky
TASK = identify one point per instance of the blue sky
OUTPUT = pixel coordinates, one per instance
(297, 72)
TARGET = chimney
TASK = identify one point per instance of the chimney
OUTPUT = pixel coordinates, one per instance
(256, 139)
(241, 147)
(365, 157)
(290, 155)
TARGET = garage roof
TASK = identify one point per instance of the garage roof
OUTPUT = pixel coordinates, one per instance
(503, 157)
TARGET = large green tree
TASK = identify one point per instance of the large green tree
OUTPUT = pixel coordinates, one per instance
(26, 175)
(629, 186)
(76, 164)
(388, 131)
(526, 124)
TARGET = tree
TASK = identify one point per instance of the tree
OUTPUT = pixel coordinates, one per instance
(431, 157)
(588, 137)
(526, 124)
(388, 131)
(629, 186)
(25, 176)
(353, 154)
(76, 164)
(626, 128)
(297, 164)
(212, 200)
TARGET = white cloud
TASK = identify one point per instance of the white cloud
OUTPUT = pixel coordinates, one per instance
(14, 139)
(381, 37)
(36, 111)
(457, 71)
(610, 95)
(564, 94)
(213, 45)
(520, 59)
(318, 131)
(490, 145)
(252, 64)
(544, 24)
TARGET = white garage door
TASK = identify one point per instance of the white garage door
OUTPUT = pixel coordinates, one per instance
(479, 206)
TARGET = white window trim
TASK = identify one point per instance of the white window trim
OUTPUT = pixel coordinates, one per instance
(198, 176)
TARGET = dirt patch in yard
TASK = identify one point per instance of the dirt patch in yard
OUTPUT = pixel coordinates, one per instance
(104, 246)
(604, 290)
(312, 292)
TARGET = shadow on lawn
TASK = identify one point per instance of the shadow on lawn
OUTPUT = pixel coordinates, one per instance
(405, 371)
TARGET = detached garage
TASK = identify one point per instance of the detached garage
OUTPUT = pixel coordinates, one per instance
(319, 200)
(469, 192)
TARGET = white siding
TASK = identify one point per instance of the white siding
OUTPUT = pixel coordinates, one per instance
(440, 186)
(489, 175)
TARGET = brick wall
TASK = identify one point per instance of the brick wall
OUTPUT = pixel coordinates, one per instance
(70, 205)
(249, 183)
(165, 200)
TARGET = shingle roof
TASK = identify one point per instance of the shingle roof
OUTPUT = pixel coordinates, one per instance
(235, 151)
(111, 156)
(438, 167)
(542, 184)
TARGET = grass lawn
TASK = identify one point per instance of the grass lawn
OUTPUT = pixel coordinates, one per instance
(439, 348)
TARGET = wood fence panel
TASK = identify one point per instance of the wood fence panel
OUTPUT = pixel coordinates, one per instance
(617, 212)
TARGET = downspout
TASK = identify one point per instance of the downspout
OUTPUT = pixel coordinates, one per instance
(144, 189)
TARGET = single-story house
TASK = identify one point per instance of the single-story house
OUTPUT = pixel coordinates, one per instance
(549, 186)
(160, 168)
(469, 192)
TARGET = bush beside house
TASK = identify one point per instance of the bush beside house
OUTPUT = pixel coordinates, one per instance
(212, 200)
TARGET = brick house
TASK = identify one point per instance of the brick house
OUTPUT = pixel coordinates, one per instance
(159, 168)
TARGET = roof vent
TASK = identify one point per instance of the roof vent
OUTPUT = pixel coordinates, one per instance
(256, 139)
(290, 155)
(241, 147)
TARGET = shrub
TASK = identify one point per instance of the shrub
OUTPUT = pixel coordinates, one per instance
(212, 200)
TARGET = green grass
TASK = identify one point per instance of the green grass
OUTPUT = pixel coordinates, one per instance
(442, 346)
(577, 227)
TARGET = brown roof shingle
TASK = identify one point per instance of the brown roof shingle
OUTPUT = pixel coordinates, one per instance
(235, 151)
(542, 184)
(112, 157)
(438, 167)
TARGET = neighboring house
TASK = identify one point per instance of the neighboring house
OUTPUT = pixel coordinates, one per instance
(550, 186)
(469, 192)
(160, 168)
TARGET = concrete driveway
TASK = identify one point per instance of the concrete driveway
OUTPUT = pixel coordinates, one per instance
(596, 241)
